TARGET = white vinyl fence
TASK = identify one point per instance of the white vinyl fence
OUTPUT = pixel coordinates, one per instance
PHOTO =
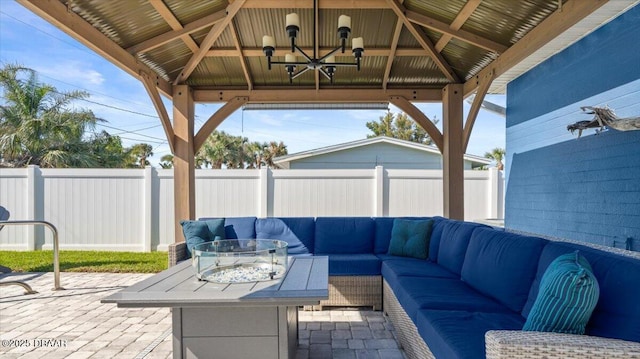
(132, 209)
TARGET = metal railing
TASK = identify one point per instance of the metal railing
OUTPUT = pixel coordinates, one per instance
(56, 258)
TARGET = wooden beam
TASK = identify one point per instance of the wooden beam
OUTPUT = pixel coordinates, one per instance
(324, 4)
(56, 13)
(420, 118)
(184, 187)
(243, 62)
(316, 49)
(173, 22)
(452, 154)
(152, 90)
(424, 41)
(208, 41)
(216, 119)
(257, 52)
(311, 95)
(485, 83)
(187, 29)
(554, 25)
(457, 23)
(392, 53)
(465, 36)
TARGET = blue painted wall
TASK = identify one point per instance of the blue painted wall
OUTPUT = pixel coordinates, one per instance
(586, 189)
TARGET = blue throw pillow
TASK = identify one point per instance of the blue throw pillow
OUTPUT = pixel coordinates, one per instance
(198, 232)
(568, 294)
(410, 238)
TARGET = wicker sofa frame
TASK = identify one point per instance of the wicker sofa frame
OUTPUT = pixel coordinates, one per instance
(344, 291)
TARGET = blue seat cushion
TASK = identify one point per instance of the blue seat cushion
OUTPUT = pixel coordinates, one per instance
(394, 267)
(344, 235)
(297, 232)
(617, 313)
(416, 293)
(460, 334)
(502, 265)
(568, 294)
(354, 264)
(454, 242)
(383, 227)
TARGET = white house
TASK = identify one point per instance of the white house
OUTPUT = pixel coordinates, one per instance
(388, 152)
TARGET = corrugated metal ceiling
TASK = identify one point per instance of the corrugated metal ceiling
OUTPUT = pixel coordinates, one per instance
(131, 22)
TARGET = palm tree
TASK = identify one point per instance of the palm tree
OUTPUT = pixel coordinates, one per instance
(399, 126)
(497, 154)
(139, 153)
(273, 150)
(36, 127)
(166, 161)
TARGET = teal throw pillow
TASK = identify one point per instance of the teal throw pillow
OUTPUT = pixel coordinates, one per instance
(198, 232)
(410, 238)
(568, 294)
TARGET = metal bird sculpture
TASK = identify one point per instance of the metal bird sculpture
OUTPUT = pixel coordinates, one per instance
(604, 117)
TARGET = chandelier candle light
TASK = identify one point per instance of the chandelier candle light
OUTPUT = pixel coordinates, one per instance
(326, 64)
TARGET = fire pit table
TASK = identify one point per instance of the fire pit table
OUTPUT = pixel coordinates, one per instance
(248, 319)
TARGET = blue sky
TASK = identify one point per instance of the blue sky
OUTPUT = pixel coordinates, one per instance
(117, 97)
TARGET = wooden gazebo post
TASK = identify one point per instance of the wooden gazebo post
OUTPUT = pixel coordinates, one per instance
(452, 152)
(184, 156)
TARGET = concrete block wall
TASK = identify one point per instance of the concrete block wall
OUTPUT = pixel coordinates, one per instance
(586, 189)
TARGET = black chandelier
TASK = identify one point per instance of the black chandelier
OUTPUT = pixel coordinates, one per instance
(326, 64)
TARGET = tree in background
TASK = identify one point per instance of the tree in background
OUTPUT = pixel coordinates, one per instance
(399, 126)
(222, 149)
(497, 155)
(36, 125)
(138, 154)
(166, 161)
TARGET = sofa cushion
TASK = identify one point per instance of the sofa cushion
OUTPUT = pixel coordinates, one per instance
(617, 313)
(383, 227)
(410, 238)
(344, 235)
(416, 293)
(502, 265)
(460, 334)
(354, 264)
(198, 232)
(567, 296)
(454, 242)
(240, 227)
(297, 232)
(436, 235)
(393, 267)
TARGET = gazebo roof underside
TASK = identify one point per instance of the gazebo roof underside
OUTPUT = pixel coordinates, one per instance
(409, 45)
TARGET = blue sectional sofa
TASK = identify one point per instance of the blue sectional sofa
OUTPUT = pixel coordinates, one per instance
(471, 297)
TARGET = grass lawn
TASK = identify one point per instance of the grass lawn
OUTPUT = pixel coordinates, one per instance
(85, 261)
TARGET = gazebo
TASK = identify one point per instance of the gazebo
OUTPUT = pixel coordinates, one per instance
(239, 52)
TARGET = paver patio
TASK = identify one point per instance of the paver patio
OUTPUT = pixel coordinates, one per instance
(74, 324)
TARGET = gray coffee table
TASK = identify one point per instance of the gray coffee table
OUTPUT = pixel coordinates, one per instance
(247, 320)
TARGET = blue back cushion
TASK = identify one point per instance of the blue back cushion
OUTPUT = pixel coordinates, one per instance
(617, 313)
(454, 242)
(238, 227)
(436, 234)
(502, 265)
(297, 232)
(344, 235)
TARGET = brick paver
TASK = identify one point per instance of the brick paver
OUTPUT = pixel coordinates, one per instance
(74, 324)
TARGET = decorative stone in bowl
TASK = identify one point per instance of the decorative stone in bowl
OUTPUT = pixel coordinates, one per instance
(240, 260)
